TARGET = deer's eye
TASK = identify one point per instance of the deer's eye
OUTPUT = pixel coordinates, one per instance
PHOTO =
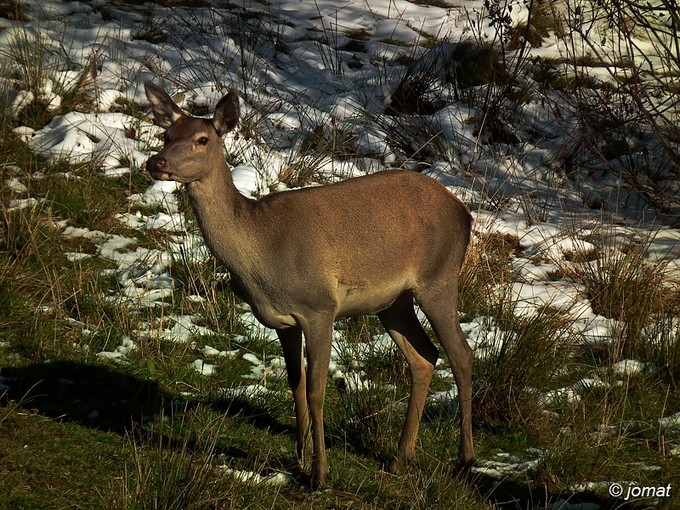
(202, 140)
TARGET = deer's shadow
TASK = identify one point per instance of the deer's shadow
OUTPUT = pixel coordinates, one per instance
(106, 399)
(91, 395)
(508, 494)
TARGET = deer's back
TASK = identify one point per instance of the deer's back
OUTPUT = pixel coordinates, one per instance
(387, 218)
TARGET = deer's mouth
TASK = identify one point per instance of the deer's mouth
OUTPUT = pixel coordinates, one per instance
(160, 176)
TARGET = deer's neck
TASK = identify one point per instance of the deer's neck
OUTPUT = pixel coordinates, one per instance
(225, 218)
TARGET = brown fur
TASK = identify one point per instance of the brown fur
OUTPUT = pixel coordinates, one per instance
(305, 258)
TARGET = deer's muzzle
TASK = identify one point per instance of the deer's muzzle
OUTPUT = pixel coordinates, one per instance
(157, 166)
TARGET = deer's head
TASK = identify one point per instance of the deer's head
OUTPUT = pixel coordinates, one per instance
(193, 146)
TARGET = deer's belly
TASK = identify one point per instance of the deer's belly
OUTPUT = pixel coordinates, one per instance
(361, 300)
(273, 318)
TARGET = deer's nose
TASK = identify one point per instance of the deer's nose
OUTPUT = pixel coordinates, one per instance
(157, 167)
(156, 163)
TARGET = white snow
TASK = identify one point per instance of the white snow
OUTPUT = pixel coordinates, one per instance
(250, 477)
(120, 353)
(202, 367)
(671, 424)
(630, 367)
(22, 203)
(504, 464)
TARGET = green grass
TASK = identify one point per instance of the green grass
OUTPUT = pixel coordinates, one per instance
(51, 464)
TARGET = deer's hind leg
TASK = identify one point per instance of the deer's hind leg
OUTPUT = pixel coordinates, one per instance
(404, 328)
(440, 307)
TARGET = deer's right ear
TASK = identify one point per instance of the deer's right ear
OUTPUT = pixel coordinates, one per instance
(227, 113)
(165, 111)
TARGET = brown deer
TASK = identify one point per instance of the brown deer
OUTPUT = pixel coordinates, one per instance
(305, 258)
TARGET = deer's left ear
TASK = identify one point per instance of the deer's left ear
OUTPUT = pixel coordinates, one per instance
(165, 111)
(227, 113)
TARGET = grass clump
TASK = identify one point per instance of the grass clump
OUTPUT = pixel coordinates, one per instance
(542, 21)
(12, 10)
(46, 88)
(442, 74)
(56, 473)
(171, 473)
(622, 284)
(486, 271)
(367, 399)
(521, 359)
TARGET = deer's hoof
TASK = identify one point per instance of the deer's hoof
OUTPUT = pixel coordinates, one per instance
(394, 466)
(318, 486)
(318, 479)
(463, 469)
(466, 462)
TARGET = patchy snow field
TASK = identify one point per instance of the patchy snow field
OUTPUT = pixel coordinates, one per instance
(313, 69)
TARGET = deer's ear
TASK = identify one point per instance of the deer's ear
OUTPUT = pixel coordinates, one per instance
(226, 113)
(165, 111)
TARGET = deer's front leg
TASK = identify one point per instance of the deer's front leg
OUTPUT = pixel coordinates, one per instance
(291, 342)
(318, 333)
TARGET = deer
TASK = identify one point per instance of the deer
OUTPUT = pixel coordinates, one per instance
(305, 258)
